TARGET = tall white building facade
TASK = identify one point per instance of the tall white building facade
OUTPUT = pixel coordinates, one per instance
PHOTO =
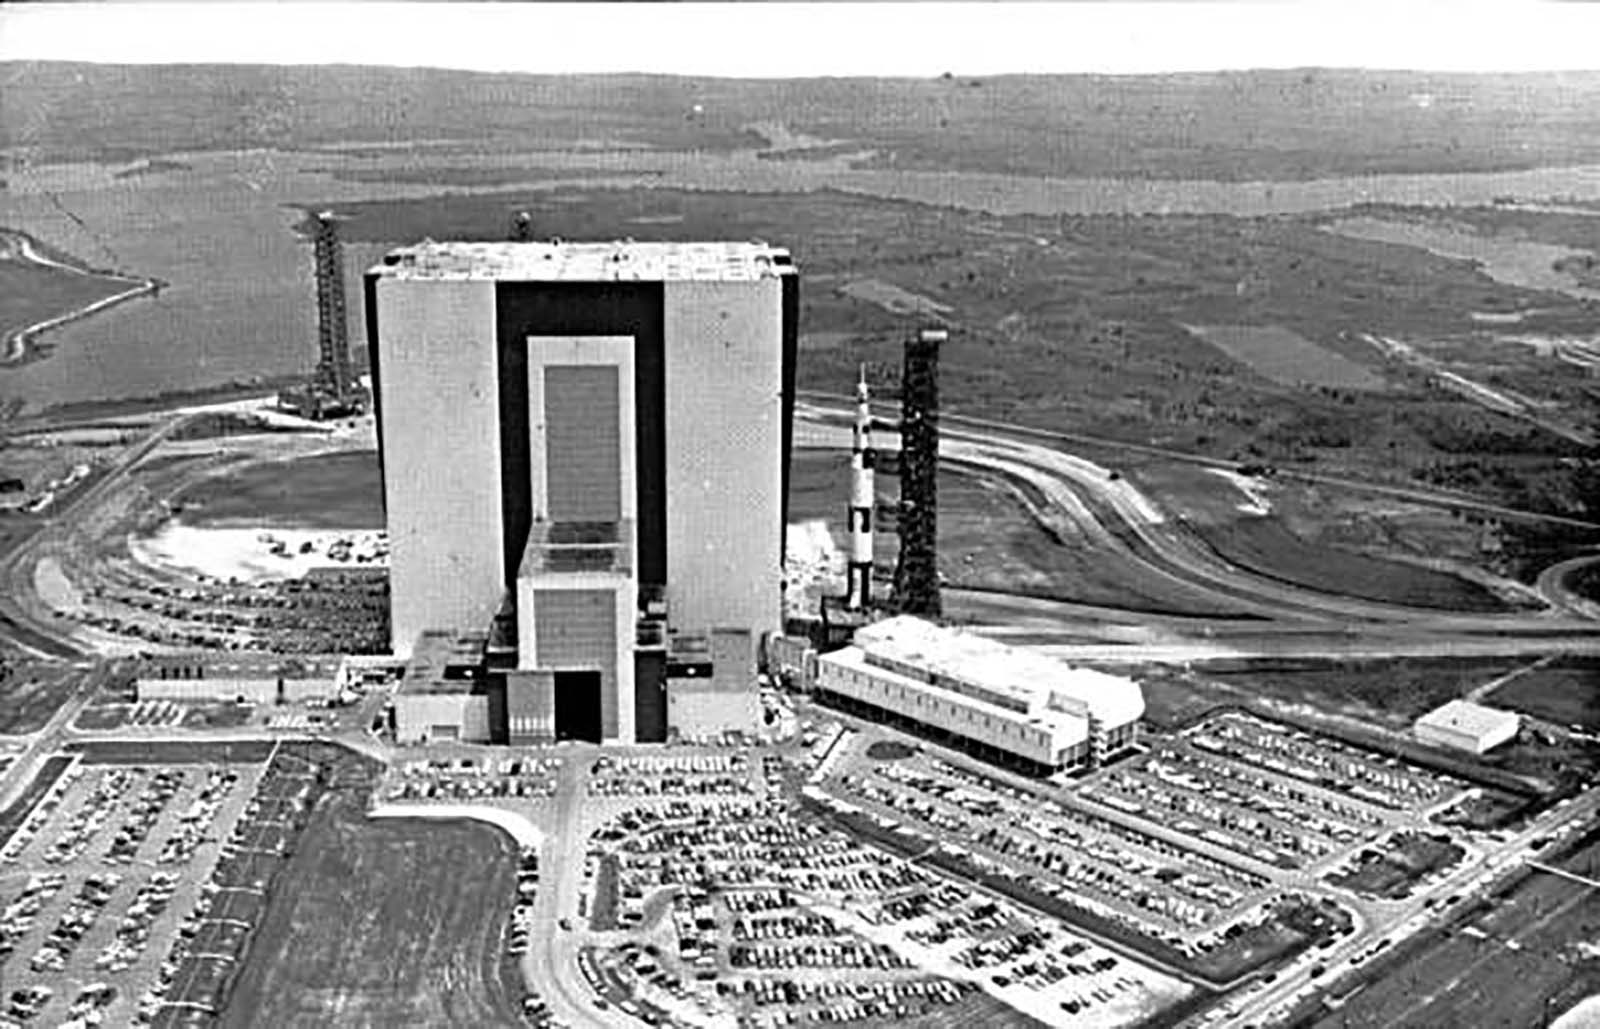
(599, 431)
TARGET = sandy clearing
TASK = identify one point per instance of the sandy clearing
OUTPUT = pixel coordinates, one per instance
(53, 586)
(1259, 504)
(246, 554)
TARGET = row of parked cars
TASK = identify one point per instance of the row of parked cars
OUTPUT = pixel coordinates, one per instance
(81, 914)
(144, 814)
(19, 915)
(41, 814)
(522, 914)
(133, 932)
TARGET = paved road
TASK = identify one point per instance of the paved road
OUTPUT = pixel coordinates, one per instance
(1429, 498)
(16, 566)
(1401, 919)
(38, 745)
(1553, 585)
(551, 963)
(1303, 621)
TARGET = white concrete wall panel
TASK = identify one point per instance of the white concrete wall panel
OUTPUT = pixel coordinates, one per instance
(724, 376)
(441, 446)
(415, 715)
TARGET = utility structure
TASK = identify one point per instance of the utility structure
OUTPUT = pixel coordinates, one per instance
(863, 492)
(916, 577)
(333, 391)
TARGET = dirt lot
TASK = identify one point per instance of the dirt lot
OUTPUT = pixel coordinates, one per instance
(383, 923)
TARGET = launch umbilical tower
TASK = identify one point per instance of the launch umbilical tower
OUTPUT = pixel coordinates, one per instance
(333, 379)
(916, 578)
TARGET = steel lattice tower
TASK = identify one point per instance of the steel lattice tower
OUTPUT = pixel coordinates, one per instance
(333, 342)
(916, 577)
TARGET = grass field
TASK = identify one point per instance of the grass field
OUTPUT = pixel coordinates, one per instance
(603, 915)
(1566, 693)
(989, 540)
(383, 923)
(1450, 979)
(1392, 867)
(330, 491)
(1401, 689)
(1265, 546)
(30, 294)
(157, 752)
(31, 693)
(1288, 358)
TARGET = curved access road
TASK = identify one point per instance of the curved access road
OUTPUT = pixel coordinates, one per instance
(1113, 516)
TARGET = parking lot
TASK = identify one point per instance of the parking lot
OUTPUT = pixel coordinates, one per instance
(205, 947)
(671, 775)
(1136, 878)
(1271, 793)
(468, 778)
(99, 877)
(745, 908)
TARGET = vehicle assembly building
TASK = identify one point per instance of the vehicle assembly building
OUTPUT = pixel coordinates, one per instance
(1016, 706)
(588, 446)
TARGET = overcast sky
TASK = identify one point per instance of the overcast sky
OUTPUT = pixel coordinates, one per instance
(781, 40)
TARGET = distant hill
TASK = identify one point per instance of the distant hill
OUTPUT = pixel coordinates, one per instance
(1236, 125)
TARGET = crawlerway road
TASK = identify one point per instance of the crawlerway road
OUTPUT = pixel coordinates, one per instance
(1287, 619)
(16, 567)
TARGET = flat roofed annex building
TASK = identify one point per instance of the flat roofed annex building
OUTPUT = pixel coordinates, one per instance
(1008, 703)
(599, 432)
(1467, 726)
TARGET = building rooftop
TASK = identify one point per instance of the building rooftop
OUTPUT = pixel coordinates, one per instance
(1009, 678)
(1066, 729)
(625, 261)
(1473, 719)
(211, 665)
(445, 662)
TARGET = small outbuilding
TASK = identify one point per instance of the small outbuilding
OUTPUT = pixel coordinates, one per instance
(1467, 726)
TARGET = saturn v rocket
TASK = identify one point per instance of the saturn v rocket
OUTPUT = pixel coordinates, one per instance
(858, 587)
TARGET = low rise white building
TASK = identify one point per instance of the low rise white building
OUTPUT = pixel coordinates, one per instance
(260, 679)
(1467, 726)
(1016, 705)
